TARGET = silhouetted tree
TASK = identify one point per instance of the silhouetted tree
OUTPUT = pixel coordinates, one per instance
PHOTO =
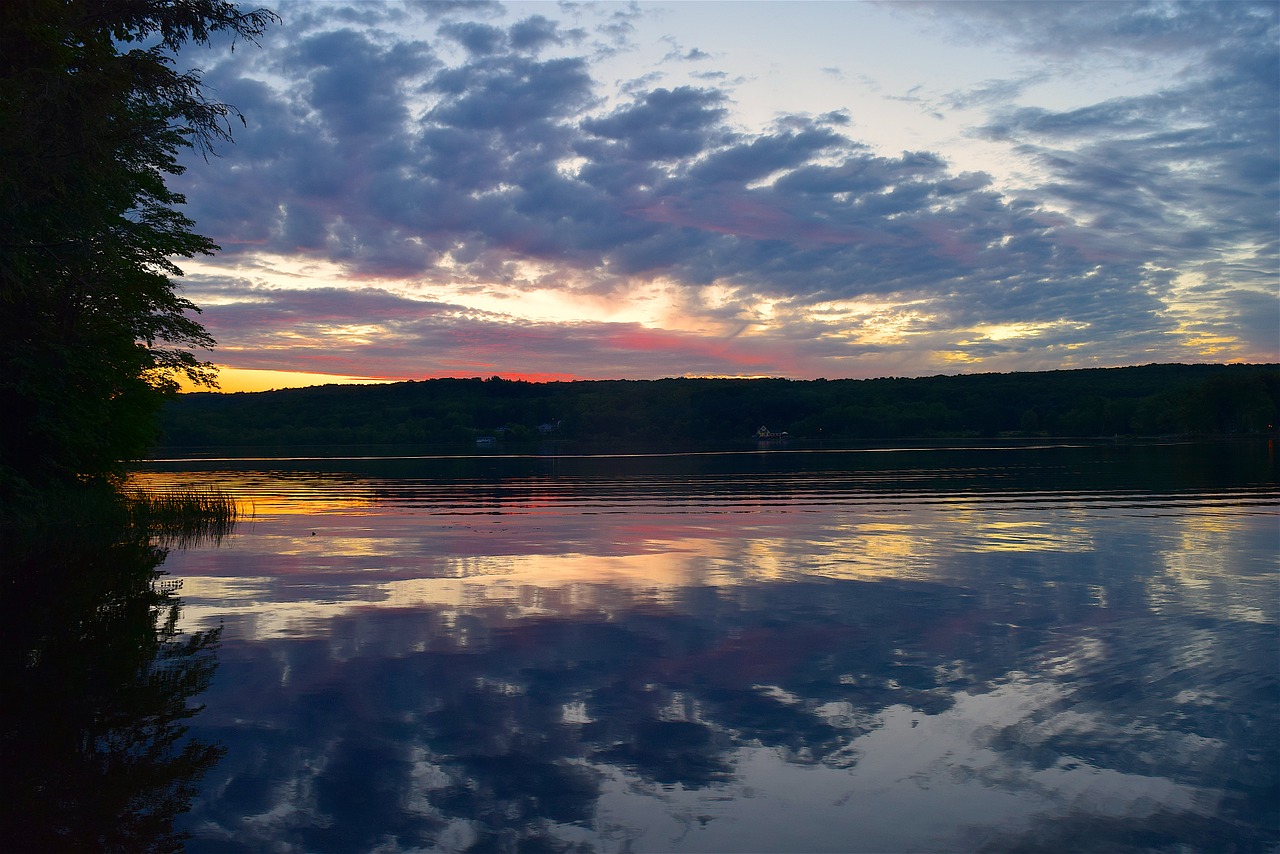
(94, 112)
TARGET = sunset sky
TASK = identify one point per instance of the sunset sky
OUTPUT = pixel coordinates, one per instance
(835, 189)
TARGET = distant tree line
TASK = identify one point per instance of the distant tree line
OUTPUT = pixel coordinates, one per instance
(1151, 400)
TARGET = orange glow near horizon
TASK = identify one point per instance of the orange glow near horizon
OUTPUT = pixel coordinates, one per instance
(231, 380)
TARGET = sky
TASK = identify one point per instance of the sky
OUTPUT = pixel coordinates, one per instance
(562, 191)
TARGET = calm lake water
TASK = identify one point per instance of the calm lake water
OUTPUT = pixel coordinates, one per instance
(980, 649)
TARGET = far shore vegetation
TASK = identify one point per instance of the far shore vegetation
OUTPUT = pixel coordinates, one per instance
(1169, 400)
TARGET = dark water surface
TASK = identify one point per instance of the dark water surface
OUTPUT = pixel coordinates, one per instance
(1062, 648)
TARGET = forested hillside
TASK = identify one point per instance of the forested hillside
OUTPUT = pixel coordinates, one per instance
(1152, 400)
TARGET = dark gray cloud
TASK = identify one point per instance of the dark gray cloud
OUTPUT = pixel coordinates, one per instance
(536, 32)
(479, 39)
(530, 35)
(764, 155)
(509, 94)
(663, 125)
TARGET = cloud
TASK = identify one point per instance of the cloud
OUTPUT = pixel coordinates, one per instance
(662, 125)
(993, 92)
(1193, 163)
(478, 39)
(681, 54)
(478, 174)
(1068, 29)
(340, 330)
(402, 158)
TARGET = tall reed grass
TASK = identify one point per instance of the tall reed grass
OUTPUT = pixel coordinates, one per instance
(182, 517)
(108, 512)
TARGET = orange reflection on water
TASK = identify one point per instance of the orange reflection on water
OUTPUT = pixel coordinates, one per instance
(254, 493)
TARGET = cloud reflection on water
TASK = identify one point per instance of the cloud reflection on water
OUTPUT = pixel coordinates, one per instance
(987, 671)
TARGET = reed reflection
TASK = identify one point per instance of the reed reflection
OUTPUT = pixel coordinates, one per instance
(99, 684)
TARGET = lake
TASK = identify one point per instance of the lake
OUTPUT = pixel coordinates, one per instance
(1059, 648)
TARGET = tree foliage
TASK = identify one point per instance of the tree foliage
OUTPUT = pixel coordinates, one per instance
(94, 112)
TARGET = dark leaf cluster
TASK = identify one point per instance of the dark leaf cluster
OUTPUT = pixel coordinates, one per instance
(94, 113)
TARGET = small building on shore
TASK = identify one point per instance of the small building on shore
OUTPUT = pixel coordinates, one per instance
(765, 436)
